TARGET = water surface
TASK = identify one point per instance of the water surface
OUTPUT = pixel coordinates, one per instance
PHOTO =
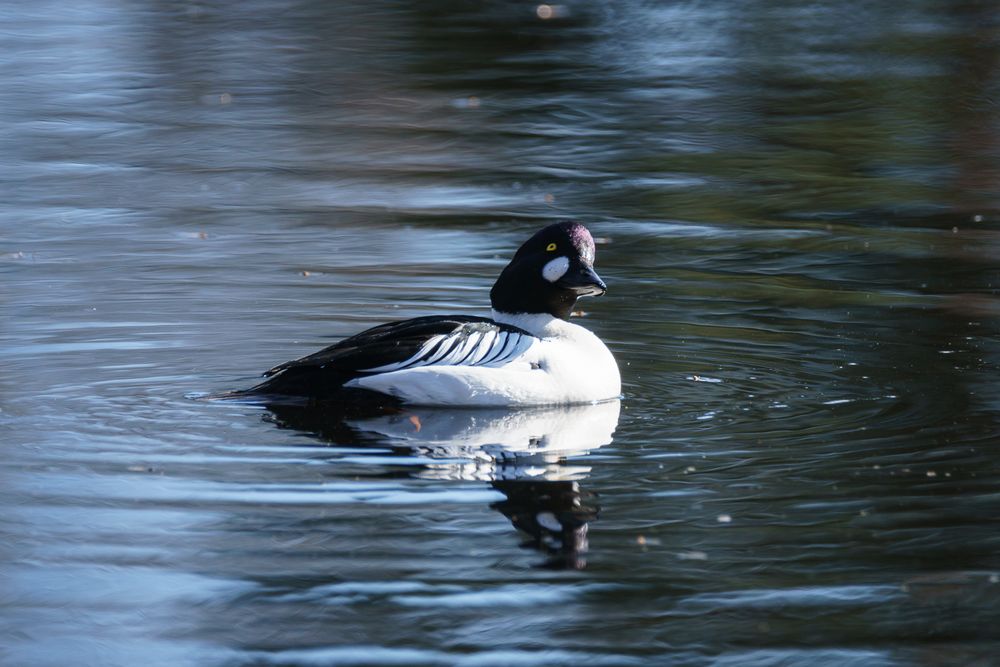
(797, 214)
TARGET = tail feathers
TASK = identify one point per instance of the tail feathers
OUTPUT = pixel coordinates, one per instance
(307, 381)
(306, 386)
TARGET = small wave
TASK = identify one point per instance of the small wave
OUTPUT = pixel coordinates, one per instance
(379, 655)
(824, 596)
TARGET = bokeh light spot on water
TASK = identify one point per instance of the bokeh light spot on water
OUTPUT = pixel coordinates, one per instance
(546, 12)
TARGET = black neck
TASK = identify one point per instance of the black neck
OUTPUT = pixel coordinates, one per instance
(526, 292)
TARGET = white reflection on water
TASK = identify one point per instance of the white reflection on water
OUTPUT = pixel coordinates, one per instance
(522, 454)
(491, 445)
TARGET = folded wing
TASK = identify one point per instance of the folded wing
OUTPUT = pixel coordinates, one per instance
(423, 341)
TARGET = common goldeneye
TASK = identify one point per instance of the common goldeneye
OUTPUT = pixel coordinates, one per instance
(528, 353)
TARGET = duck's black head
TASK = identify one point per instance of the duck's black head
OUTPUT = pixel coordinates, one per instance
(549, 273)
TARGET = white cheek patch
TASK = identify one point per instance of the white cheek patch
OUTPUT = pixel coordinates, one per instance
(555, 269)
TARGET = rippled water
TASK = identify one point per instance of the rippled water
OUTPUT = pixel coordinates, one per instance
(799, 220)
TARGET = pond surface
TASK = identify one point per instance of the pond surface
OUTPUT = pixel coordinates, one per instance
(798, 213)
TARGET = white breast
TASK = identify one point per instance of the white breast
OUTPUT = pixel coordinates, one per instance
(566, 364)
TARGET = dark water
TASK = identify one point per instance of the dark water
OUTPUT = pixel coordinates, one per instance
(799, 205)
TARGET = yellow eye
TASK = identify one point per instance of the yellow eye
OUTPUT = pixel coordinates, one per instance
(550, 247)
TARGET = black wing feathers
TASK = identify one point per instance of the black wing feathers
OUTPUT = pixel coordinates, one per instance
(394, 346)
(392, 342)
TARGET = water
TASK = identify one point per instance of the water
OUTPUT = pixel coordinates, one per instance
(799, 221)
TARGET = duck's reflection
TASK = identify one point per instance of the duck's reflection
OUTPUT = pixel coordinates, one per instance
(554, 514)
(524, 454)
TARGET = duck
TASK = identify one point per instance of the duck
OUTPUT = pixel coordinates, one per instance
(527, 353)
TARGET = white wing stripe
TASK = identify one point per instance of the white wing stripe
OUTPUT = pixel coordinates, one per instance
(514, 350)
(480, 348)
(501, 351)
(523, 343)
(415, 359)
(457, 351)
(443, 347)
(484, 347)
(476, 349)
(496, 344)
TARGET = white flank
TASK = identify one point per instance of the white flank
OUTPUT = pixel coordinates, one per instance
(566, 364)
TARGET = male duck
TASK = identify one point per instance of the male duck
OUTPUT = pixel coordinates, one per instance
(528, 353)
